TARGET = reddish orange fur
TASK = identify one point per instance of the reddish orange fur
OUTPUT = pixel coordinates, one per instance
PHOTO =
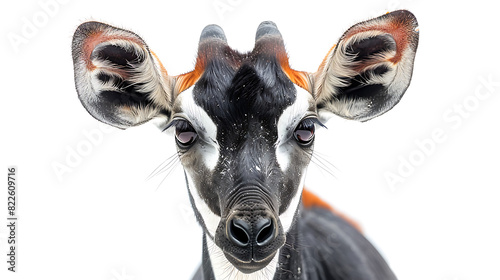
(310, 200)
(398, 30)
(323, 63)
(163, 70)
(97, 38)
(186, 80)
(299, 78)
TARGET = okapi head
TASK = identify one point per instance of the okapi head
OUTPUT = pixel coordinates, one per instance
(245, 122)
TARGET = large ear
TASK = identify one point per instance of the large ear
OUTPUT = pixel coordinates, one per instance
(118, 79)
(367, 72)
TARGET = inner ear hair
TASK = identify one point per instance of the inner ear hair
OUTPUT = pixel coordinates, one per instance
(118, 79)
(367, 72)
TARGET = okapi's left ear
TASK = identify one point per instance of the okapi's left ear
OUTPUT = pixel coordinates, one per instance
(370, 68)
(119, 80)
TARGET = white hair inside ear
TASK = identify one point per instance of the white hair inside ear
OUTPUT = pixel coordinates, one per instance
(118, 79)
(367, 72)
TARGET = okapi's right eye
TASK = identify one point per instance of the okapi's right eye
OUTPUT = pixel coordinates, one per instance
(185, 135)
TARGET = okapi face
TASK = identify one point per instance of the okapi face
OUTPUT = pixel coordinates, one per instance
(245, 122)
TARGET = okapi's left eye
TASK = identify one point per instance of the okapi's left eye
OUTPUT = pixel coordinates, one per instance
(185, 135)
(304, 132)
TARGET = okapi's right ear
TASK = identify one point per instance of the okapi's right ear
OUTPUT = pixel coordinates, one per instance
(369, 69)
(118, 79)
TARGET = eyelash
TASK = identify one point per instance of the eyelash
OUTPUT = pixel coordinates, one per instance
(304, 132)
(185, 134)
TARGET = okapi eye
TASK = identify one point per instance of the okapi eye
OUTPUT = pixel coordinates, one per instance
(185, 135)
(304, 132)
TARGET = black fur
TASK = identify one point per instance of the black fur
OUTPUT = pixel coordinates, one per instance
(245, 104)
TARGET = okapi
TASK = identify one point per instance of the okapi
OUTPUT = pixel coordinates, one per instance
(245, 127)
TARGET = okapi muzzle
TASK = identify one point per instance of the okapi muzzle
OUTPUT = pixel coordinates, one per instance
(244, 127)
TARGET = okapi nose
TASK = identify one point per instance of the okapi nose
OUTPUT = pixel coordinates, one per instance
(241, 233)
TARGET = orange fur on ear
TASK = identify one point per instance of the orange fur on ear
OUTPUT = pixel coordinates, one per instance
(299, 78)
(310, 200)
(162, 68)
(187, 80)
(323, 63)
(400, 29)
(98, 37)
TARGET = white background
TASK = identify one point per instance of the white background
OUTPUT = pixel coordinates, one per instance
(101, 218)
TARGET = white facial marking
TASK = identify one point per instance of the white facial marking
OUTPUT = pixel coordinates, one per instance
(206, 128)
(286, 218)
(224, 270)
(290, 118)
(210, 219)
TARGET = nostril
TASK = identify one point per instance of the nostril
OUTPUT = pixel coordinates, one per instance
(239, 232)
(260, 232)
(266, 232)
